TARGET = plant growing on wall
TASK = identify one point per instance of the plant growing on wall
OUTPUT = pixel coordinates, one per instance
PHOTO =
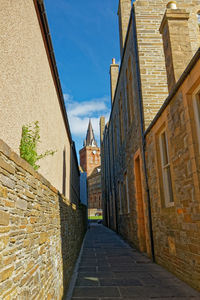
(28, 145)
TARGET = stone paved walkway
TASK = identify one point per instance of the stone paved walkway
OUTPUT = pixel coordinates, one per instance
(110, 269)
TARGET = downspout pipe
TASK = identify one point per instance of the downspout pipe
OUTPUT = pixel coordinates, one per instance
(115, 188)
(142, 131)
(108, 176)
(110, 183)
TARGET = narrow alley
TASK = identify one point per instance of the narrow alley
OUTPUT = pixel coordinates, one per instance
(110, 269)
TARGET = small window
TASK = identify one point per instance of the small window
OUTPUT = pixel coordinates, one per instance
(129, 91)
(198, 18)
(127, 194)
(196, 103)
(115, 135)
(111, 208)
(121, 120)
(166, 172)
(120, 198)
(124, 199)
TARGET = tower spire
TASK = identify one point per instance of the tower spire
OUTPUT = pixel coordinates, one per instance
(90, 139)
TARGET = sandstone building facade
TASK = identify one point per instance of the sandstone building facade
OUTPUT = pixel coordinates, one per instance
(90, 162)
(94, 193)
(150, 146)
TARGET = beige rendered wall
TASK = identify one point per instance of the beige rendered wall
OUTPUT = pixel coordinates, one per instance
(27, 89)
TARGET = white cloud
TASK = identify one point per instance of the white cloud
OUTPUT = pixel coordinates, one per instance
(79, 114)
(68, 98)
(87, 108)
(118, 62)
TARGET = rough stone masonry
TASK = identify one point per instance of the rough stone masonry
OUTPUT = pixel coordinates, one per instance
(40, 232)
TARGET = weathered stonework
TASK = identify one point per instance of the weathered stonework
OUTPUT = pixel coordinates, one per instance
(176, 229)
(124, 15)
(148, 16)
(94, 193)
(176, 48)
(40, 232)
(90, 158)
(132, 193)
(114, 72)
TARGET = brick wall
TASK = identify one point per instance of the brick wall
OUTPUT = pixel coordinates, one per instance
(40, 232)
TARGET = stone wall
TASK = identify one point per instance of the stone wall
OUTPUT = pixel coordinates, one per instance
(126, 198)
(119, 153)
(40, 232)
(94, 193)
(176, 228)
(148, 17)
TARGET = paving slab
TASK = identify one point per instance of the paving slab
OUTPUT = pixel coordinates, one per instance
(110, 269)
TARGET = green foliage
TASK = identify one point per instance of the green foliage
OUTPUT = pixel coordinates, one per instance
(95, 217)
(28, 145)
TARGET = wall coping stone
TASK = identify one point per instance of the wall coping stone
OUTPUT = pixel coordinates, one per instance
(9, 153)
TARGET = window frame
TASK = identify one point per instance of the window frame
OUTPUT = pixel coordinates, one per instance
(127, 194)
(129, 91)
(115, 135)
(198, 18)
(120, 198)
(165, 164)
(121, 121)
(196, 108)
(111, 205)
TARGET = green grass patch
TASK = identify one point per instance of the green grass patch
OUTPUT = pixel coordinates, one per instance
(95, 217)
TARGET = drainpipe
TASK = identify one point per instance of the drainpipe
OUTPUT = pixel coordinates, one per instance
(111, 190)
(142, 131)
(108, 176)
(115, 192)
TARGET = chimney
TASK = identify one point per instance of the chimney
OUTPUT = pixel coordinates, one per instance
(114, 71)
(124, 11)
(176, 42)
(102, 127)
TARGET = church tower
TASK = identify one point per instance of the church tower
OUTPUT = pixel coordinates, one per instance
(90, 153)
(90, 163)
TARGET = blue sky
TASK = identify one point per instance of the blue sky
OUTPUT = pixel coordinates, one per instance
(85, 39)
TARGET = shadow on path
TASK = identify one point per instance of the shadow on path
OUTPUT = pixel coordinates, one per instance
(110, 269)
